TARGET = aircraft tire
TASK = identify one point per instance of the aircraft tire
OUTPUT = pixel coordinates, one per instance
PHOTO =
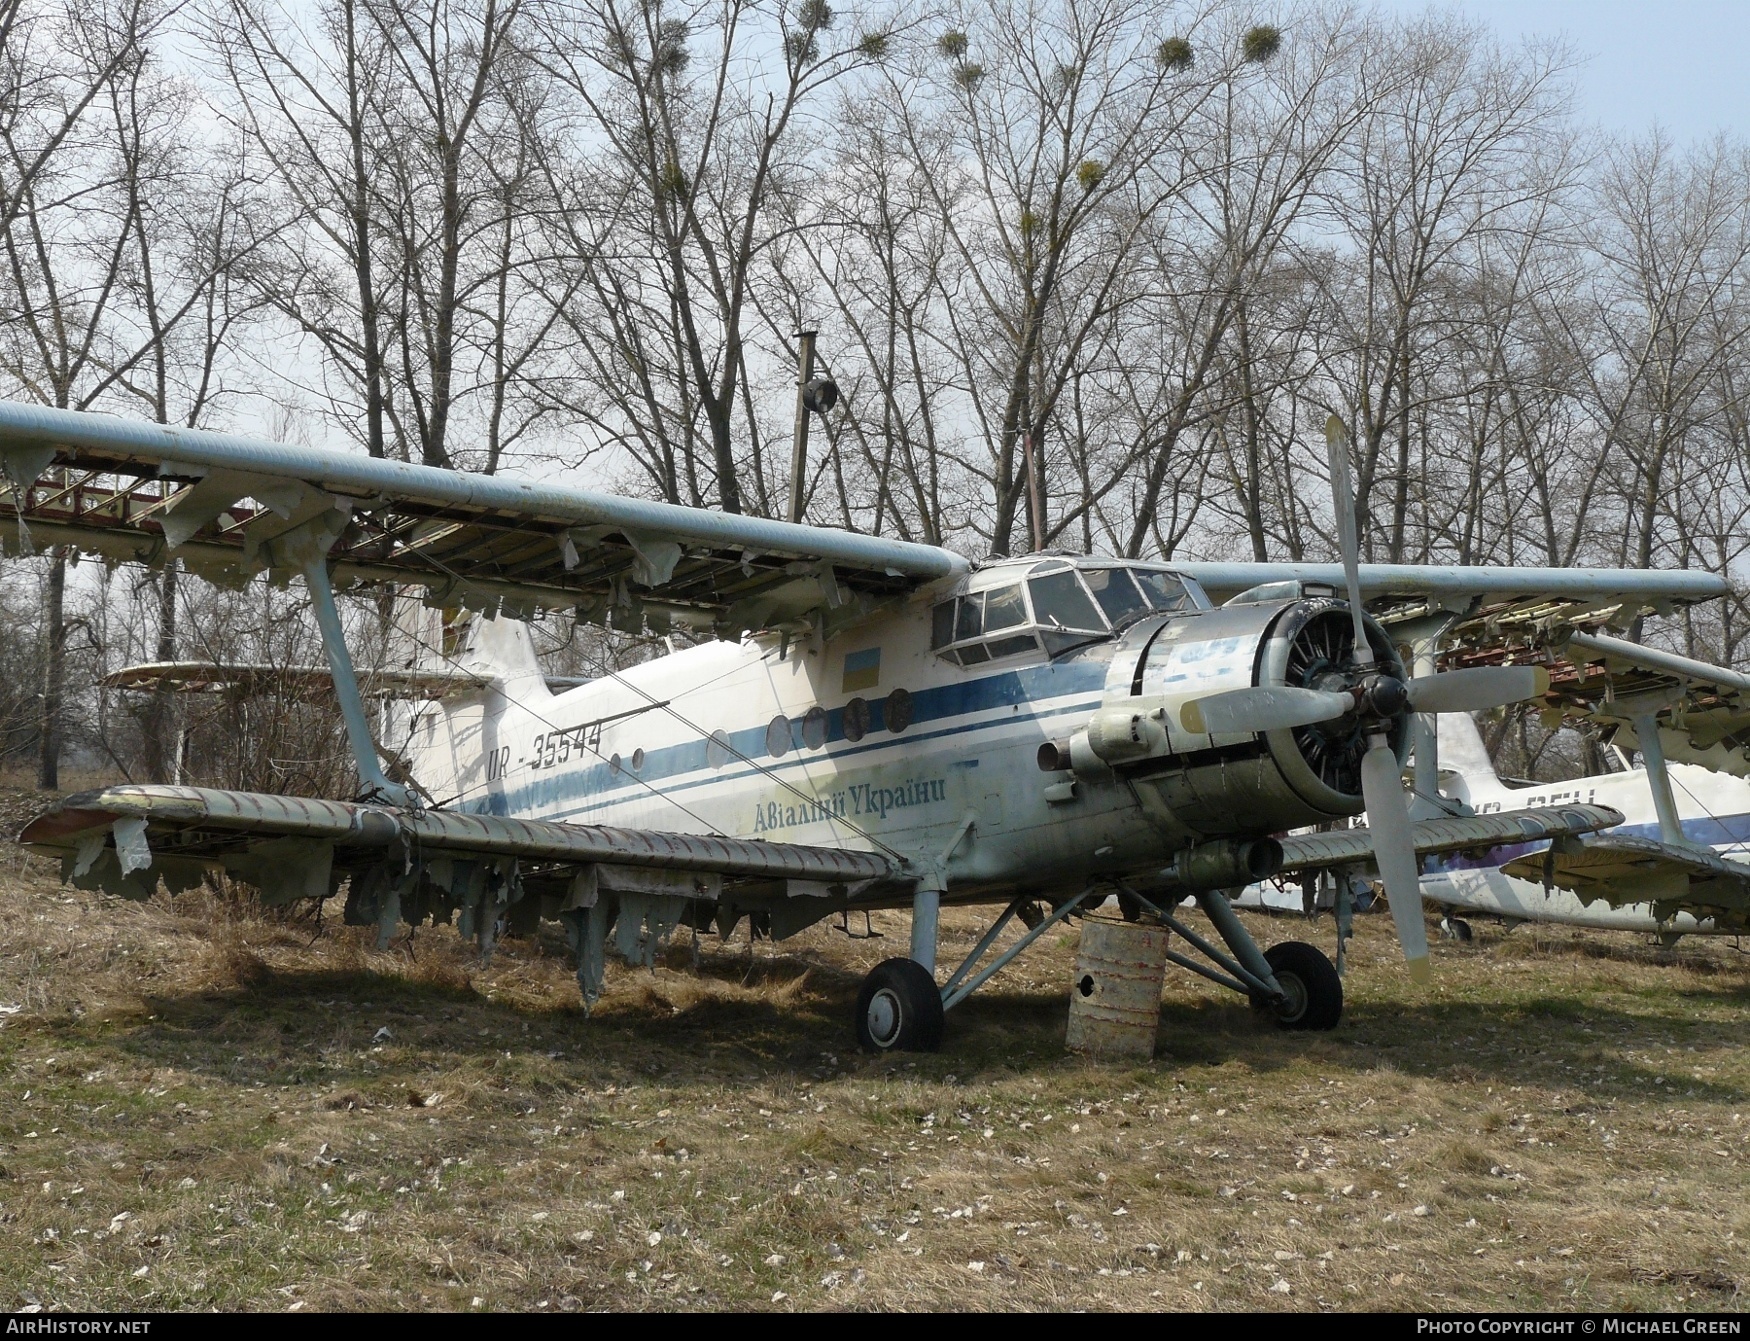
(1315, 992)
(899, 1009)
(1461, 929)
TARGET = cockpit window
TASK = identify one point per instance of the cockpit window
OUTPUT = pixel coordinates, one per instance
(1059, 606)
(1004, 609)
(971, 620)
(959, 628)
(1164, 590)
(1115, 592)
(942, 624)
(1059, 602)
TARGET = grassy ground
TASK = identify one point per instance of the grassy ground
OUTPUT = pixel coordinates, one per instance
(200, 1109)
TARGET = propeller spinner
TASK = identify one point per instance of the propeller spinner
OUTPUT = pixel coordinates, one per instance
(1375, 698)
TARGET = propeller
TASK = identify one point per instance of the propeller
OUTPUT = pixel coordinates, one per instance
(1378, 697)
(1477, 689)
(1382, 786)
(1267, 708)
(1279, 707)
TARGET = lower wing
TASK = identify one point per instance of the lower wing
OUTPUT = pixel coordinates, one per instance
(125, 840)
(1453, 833)
(1621, 869)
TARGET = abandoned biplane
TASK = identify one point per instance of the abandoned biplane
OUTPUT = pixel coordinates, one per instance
(877, 725)
(1676, 865)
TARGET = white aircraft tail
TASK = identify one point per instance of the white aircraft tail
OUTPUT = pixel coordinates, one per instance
(503, 649)
(1464, 756)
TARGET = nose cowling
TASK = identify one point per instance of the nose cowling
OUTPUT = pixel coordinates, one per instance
(1240, 780)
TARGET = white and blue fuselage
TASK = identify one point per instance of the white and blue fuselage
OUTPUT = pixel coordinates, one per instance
(917, 730)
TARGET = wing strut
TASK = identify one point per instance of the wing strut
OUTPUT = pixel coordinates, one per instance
(313, 561)
(1659, 778)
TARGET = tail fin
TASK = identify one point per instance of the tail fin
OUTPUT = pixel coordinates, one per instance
(503, 649)
(1463, 753)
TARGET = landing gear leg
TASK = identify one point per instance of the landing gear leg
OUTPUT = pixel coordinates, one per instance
(926, 907)
(1343, 909)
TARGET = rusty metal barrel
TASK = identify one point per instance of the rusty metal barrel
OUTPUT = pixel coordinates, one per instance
(1115, 1003)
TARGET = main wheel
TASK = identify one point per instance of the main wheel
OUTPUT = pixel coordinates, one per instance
(1457, 928)
(1313, 993)
(899, 1009)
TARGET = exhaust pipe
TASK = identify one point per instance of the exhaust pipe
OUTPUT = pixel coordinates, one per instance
(1226, 864)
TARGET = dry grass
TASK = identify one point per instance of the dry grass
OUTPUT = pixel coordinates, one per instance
(200, 1109)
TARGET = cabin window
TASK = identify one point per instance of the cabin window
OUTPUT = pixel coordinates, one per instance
(778, 737)
(856, 719)
(1008, 647)
(969, 623)
(814, 727)
(717, 748)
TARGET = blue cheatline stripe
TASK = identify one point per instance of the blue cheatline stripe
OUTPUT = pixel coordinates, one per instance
(1711, 831)
(942, 703)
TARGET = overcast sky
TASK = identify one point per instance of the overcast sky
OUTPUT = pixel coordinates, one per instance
(1681, 63)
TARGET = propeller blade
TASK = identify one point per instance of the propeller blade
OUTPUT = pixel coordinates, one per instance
(1262, 709)
(1394, 850)
(1477, 689)
(1343, 502)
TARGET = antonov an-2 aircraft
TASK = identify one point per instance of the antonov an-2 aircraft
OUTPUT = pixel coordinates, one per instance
(878, 724)
(1677, 864)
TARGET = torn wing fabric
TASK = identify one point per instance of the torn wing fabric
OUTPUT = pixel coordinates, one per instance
(1456, 833)
(1621, 869)
(230, 507)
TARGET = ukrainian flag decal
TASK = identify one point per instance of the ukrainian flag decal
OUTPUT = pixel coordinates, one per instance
(862, 669)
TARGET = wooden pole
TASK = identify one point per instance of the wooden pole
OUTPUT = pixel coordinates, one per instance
(799, 447)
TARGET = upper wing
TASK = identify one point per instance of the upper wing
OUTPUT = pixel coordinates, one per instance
(1702, 711)
(1455, 833)
(196, 677)
(1622, 869)
(228, 505)
(206, 676)
(1497, 598)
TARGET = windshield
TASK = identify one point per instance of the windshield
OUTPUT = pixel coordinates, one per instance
(1059, 601)
(1116, 592)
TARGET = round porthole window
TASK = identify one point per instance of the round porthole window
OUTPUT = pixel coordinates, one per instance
(856, 719)
(638, 760)
(814, 728)
(717, 752)
(778, 737)
(897, 711)
(614, 763)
